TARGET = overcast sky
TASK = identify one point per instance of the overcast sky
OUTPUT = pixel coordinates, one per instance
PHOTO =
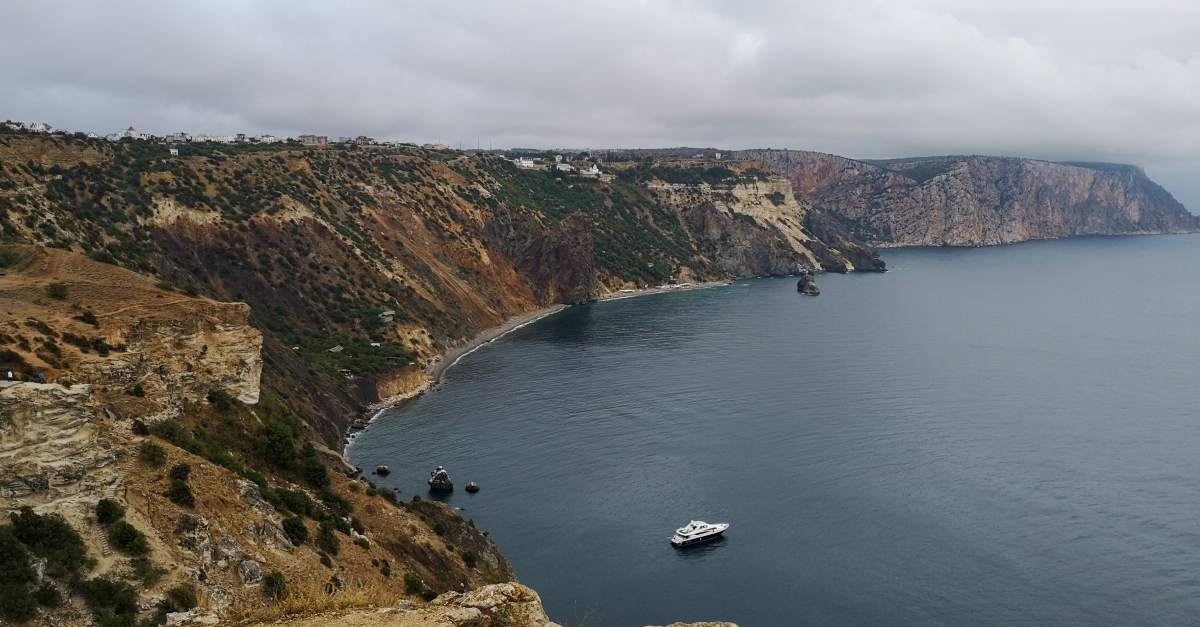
(1067, 79)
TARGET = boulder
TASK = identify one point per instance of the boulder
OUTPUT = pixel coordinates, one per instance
(808, 285)
(251, 572)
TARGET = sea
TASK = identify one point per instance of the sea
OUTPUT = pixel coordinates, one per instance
(993, 436)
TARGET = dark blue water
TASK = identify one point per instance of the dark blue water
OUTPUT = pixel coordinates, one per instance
(998, 436)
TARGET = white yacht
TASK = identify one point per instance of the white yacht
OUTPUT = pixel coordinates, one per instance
(696, 532)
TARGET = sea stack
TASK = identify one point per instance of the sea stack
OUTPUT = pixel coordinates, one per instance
(472, 487)
(439, 480)
(808, 284)
(383, 471)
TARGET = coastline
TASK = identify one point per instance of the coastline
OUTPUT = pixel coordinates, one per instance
(438, 367)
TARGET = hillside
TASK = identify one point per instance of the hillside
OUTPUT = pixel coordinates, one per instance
(151, 407)
(320, 241)
(979, 201)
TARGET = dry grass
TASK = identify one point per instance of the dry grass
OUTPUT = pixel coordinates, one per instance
(315, 600)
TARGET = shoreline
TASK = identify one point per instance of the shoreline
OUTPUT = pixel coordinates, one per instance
(438, 367)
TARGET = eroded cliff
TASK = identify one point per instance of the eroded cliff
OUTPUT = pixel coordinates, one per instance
(979, 201)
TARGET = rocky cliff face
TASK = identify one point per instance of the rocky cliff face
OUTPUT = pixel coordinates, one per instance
(979, 201)
(321, 242)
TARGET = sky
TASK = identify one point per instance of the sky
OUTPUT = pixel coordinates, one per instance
(1100, 80)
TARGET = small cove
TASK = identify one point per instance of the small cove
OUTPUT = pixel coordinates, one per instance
(992, 436)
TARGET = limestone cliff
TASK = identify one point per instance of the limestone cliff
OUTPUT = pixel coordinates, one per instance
(321, 243)
(979, 201)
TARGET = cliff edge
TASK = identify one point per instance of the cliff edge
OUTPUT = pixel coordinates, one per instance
(978, 200)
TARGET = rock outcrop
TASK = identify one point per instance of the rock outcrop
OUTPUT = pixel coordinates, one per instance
(979, 201)
(48, 448)
(754, 225)
(808, 285)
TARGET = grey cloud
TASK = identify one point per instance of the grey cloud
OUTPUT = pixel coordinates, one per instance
(1064, 79)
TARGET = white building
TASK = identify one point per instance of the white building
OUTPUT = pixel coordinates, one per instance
(178, 137)
(174, 152)
(565, 167)
(39, 127)
(16, 126)
(525, 162)
(267, 139)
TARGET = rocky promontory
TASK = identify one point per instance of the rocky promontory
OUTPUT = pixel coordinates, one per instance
(978, 200)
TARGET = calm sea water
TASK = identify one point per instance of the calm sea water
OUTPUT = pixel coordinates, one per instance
(997, 436)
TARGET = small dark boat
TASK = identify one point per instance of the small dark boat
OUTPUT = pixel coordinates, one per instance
(472, 487)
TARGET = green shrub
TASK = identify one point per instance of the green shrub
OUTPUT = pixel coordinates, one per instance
(470, 558)
(439, 528)
(429, 595)
(144, 571)
(180, 494)
(181, 472)
(363, 542)
(16, 573)
(50, 537)
(297, 502)
(152, 454)
(296, 530)
(184, 597)
(48, 596)
(386, 571)
(357, 525)
(327, 539)
(337, 504)
(165, 285)
(275, 585)
(127, 538)
(221, 399)
(8, 257)
(57, 291)
(137, 391)
(112, 602)
(413, 584)
(314, 469)
(109, 511)
(328, 563)
(90, 318)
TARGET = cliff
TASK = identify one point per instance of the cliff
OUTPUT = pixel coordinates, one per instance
(979, 201)
(320, 243)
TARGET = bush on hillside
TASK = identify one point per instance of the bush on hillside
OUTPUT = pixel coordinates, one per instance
(327, 539)
(127, 538)
(183, 597)
(16, 574)
(112, 602)
(50, 537)
(296, 530)
(109, 511)
(57, 291)
(221, 399)
(152, 454)
(275, 585)
(413, 584)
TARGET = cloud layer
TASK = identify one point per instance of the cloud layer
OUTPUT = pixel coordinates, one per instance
(1054, 79)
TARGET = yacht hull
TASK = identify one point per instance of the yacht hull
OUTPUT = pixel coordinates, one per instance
(692, 541)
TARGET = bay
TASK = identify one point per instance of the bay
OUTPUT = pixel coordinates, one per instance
(996, 436)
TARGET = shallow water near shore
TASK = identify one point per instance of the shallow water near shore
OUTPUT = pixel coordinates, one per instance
(997, 436)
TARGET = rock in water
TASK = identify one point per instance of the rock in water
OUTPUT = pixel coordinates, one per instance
(808, 285)
(440, 480)
(383, 471)
(472, 487)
